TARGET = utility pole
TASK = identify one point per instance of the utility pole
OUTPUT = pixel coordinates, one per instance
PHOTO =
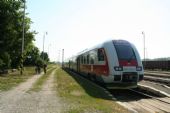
(23, 37)
(62, 58)
(49, 50)
(58, 56)
(45, 33)
(143, 48)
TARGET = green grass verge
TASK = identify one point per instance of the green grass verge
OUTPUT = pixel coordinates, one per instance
(82, 96)
(37, 86)
(12, 79)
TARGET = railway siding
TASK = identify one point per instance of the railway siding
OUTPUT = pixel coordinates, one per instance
(157, 71)
(154, 89)
(158, 79)
(142, 102)
(161, 78)
(163, 75)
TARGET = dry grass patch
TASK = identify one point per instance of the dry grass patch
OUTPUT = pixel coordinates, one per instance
(37, 86)
(14, 78)
(82, 96)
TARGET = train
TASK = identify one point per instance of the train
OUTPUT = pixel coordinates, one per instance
(115, 63)
(157, 65)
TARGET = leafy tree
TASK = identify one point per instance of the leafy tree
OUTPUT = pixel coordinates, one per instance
(44, 56)
(11, 21)
(39, 62)
(4, 61)
(32, 55)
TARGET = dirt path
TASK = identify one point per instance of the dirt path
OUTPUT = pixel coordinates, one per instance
(50, 102)
(18, 100)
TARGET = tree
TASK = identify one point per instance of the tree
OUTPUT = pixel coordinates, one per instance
(32, 55)
(4, 61)
(39, 62)
(11, 13)
(44, 56)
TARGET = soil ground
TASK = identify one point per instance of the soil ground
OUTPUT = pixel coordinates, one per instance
(19, 100)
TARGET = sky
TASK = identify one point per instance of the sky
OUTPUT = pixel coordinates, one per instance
(75, 25)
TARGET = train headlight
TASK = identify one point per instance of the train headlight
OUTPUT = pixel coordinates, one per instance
(117, 68)
(138, 68)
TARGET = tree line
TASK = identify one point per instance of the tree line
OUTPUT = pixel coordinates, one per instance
(11, 22)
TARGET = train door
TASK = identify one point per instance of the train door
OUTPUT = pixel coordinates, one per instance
(78, 64)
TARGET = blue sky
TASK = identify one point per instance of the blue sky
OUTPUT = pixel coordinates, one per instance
(75, 25)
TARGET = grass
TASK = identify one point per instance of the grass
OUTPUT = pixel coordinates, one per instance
(37, 86)
(12, 79)
(83, 96)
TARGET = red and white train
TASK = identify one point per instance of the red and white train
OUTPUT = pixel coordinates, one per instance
(115, 63)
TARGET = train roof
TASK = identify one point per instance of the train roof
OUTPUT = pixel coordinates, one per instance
(101, 45)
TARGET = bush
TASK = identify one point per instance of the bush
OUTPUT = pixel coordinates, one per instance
(39, 62)
(5, 61)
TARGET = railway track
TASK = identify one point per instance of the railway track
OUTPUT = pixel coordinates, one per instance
(162, 75)
(153, 96)
(165, 81)
(158, 72)
(156, 83)
(138, 100)
(158, 77)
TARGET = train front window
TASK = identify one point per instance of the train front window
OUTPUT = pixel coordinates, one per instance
(125, 52)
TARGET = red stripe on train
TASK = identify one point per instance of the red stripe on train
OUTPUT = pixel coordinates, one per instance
(128, 63)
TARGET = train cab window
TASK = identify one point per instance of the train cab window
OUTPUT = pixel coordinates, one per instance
(88, 57)
(100, 55)
(125, 52)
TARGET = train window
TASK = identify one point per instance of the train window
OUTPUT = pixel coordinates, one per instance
(84, 60)
(81, 59)
(78, 59)
(92, 60)
(92, 55)
(88, 58)
(100, 55)
(125, 52)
